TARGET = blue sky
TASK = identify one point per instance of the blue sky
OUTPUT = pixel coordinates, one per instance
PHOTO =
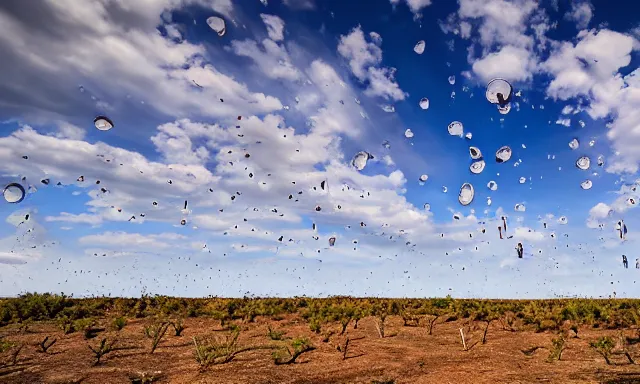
(309, 80)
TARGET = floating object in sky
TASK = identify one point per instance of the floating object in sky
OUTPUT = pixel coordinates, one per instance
(631, 201)
(520, 207)
(424, 103)
(217, 24)
(408, 134)
(424, 178)
(332, 241)
(14, 193)
(492, 185)
(444, 189)
(427, 206)
(488, 200)
(388, 108)
(183, 222)
(504, 109)
(499, 92)
(600, 160)
(455, 129)
(523, 180)
(359, 161)
(469, 135)
(563, 220)
(574, 144)
(475, 153)
(587, 184)
(419, 47)
(503, 154)
(103, 123)
(386, 144)
(583, 163)
(592, 143)
(465, 197)
(452, 80)
(477, 167)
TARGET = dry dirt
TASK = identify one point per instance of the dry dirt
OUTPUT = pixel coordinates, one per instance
(407, 355)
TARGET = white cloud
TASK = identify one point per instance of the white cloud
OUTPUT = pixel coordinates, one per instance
(135, 61)
(510, 63)
(364, 58)
(271, 59)
(414, 5)
(83, 218)
(275, 26)
(69, 131)
(300, 4)
(581, 12)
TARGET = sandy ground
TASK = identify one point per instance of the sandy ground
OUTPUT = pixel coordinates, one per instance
(408, 355)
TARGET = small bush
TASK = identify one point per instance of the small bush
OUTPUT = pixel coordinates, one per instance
(103, 348)
(604, 346)
(178, 327)
(156, 332)
(289, 355)
(557, 347)
(274, 335)
(119, 323)
(315, 326)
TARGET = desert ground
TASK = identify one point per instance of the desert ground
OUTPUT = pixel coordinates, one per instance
(402, 351)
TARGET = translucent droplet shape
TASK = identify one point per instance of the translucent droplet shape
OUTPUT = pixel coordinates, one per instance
(523, 180)
(583, 163)
(477, 167)
(499, 91)
(587, 184)
(103, 123)
(424, 178)
(563, 220)
(456, 129)
(503, 154)
(574, 144)
(424, 103)
(600, 160)
(427, 206)
(504, 109)
(452, 80)
(408, 134)
(359, 161)
(14, 193)
(520, 207)
(465, 197)
(217, 24)
(475, 153)
(492, 185)
(419, 47)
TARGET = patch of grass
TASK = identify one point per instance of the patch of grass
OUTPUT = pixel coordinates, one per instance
(119, 323)
(274, 335)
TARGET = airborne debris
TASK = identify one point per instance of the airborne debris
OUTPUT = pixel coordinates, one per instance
(419, 47)
(217, 24)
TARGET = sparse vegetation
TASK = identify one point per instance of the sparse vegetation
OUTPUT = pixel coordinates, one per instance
(274, 335)
(46, 344)
(289, 355)
(156, 332)
(604, 345)
(145, 377)
(178, 326)
(557, 347)
(104, 347)
(219, 349)
(119, 323)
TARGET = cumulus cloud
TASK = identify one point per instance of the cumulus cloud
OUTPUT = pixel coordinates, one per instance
(275, 26)
(581, 13)
(364, 59)
(414, 5)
